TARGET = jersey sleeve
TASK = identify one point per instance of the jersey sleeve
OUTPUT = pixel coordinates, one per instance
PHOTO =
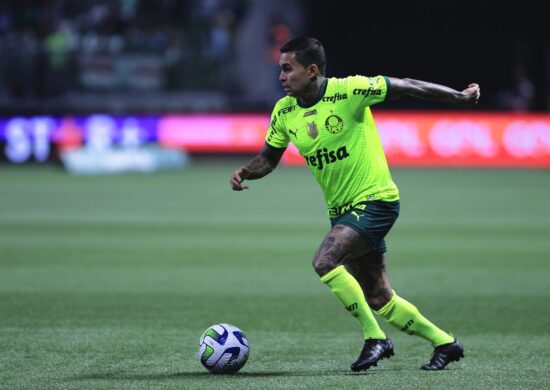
(366, 91)
(277, 135)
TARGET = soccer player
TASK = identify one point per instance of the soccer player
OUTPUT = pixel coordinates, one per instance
(330, 122)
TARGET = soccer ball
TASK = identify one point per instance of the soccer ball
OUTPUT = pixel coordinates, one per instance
(223, 349)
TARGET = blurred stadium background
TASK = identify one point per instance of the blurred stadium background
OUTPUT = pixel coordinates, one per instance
(202, 75)
(108, 276)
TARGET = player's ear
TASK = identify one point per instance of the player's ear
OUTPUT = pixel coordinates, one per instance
(313, 71)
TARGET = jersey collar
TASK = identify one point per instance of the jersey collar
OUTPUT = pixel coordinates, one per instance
(321, 94)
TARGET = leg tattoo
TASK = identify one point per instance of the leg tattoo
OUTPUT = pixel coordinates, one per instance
(340, 246)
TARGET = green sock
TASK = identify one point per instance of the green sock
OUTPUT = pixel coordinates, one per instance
(406, 317)
(344, 286)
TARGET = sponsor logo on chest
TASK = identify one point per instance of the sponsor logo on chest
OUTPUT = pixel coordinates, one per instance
(324, 157)
(336, 97)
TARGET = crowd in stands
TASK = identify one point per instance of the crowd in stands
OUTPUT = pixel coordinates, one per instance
(52, 46)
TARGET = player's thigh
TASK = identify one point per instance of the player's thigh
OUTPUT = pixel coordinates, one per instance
(340, 246)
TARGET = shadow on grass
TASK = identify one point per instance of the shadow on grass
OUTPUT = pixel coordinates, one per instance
(201, 374)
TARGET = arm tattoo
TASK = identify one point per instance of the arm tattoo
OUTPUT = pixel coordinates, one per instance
(265, 162)
(259, 166)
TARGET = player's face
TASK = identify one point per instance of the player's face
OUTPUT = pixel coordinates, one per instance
(294, 77)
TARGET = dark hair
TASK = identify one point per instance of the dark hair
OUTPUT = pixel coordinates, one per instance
(308, 51)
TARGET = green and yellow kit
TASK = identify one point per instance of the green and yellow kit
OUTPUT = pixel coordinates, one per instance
(338, 139)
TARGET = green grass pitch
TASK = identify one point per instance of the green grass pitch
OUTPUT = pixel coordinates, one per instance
(108, 282)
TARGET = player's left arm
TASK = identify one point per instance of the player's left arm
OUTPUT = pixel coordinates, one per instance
(430, 91)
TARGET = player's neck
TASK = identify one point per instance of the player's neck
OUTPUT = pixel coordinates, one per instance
(311, 94)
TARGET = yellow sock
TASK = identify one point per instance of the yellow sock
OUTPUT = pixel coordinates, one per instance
(406, 317)
(344, 286)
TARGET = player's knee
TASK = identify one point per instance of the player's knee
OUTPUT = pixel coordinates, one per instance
(377, 303)
(379, 299)
(323, 265)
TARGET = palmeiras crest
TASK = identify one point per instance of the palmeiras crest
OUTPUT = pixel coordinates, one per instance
(334, 124)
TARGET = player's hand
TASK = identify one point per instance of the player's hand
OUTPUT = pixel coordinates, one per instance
(237, 179)
(471, 94)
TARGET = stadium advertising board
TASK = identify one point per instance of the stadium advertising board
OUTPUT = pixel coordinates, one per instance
(409, 138)
(40, 139)
(214, 133)
(462, 139)
(27, 139)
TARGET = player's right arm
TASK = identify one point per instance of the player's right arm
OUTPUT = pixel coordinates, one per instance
(276, 141)
(262, 164)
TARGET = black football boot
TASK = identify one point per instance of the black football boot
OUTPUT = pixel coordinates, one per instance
(443, 355)
(372, 352)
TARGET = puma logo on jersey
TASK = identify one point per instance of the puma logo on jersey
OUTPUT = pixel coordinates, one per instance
(293, 133)
(357, 215)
